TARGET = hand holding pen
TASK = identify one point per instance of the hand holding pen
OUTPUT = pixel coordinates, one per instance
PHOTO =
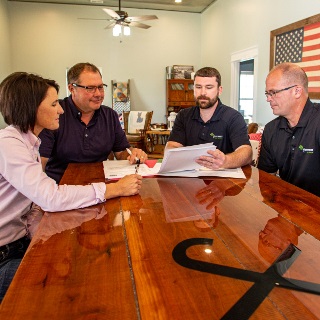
(137, 160)
(137, 166)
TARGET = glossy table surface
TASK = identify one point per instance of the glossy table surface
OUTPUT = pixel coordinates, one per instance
(184, 248)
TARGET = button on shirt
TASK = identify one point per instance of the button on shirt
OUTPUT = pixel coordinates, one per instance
(295, 152)
(226, 129)
(75, 141)
(22, 181)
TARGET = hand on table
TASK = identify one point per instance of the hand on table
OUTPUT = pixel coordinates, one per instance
(127, 186)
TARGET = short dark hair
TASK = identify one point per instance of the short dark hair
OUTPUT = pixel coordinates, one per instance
(209, 72)
(21, 93)
(75, 71)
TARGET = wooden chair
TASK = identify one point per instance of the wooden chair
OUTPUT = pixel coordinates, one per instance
(136, 140)
(255, 144)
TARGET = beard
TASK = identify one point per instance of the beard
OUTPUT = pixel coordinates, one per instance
(208, 104)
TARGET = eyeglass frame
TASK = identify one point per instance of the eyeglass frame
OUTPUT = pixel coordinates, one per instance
(91, 89)
(272, 93)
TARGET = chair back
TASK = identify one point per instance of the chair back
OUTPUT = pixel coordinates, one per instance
(255, 144)
(147, 122)
(137, 139)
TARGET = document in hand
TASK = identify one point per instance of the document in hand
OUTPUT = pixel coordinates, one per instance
(179, 162)
(183, 159)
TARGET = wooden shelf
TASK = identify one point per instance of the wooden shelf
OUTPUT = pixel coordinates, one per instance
(179, 94)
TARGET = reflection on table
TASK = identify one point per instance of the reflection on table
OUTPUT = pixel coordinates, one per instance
(184, 248)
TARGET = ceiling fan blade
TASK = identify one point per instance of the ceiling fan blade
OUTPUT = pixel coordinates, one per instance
(139, 25)
(109, 26)
(142, 18)
(111, 13)
(95, 19)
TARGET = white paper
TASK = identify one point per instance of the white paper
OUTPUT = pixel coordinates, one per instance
(117, 169)
(183, 159)
(204, 172)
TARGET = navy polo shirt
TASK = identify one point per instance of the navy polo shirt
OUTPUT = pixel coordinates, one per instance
(226, 129)
(294, 151)
(75, 141)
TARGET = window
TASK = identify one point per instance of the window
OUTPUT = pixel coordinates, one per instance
(246, 77)
(246, 100)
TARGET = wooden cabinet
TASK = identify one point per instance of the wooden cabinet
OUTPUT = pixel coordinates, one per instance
(179, 94)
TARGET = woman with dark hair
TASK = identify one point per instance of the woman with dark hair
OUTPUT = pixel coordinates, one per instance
(29, 103)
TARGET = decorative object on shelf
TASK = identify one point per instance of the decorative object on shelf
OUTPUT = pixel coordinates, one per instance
(169, 72)
(158, 126)
(298, 43)
(171, 119)
(182, 72)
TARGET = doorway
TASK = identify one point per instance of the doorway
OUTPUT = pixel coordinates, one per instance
(247, 60)
(246, 83)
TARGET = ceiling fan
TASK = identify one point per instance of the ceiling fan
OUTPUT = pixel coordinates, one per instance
(121, 18)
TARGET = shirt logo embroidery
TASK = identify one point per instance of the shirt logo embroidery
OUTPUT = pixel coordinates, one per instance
(216, 137)
(305, 150)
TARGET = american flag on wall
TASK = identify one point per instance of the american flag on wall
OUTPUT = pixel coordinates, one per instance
(302, 46)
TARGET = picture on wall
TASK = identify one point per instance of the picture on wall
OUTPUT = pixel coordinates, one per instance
(182, 72)
(299, 43)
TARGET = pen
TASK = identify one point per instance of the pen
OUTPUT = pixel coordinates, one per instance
(137, 160)
(137, 166)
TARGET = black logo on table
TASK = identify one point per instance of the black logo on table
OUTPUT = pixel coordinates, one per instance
(263, 282)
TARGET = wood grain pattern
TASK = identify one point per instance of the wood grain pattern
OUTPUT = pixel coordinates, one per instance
(78, 267)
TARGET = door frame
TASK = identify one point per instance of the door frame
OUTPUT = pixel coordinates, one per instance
(236, 58)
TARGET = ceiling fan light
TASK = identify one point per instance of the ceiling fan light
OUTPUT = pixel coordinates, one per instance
(116, 30)
(126, 31)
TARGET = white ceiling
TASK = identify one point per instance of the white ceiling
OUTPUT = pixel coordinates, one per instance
(196, 6)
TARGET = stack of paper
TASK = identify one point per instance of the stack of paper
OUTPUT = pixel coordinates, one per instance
(178, 162)
(183, 159)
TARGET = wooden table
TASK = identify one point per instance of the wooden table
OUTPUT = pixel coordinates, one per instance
(184, 248)
(155, 142)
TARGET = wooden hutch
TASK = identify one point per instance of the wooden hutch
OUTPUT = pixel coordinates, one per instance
(179, 94)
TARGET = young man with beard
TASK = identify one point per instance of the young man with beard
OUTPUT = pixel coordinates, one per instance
(211, 121)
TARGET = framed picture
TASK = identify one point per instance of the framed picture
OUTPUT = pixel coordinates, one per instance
(182, 72)
(299, 43)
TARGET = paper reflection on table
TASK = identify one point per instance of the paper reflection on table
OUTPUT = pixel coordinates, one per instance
(182, 204)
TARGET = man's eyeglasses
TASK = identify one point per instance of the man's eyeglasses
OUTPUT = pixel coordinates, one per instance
(91, 89)
(273, 93)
